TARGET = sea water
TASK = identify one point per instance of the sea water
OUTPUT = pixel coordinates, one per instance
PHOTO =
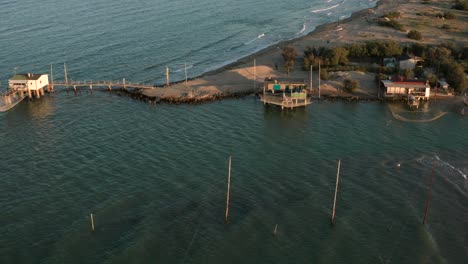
(155, 177)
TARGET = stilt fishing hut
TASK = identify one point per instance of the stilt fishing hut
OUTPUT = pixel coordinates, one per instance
(285, 92)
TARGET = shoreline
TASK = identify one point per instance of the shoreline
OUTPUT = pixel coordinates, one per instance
(241, 77)
(181, 96)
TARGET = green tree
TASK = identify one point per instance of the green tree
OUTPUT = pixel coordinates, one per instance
(310, 58)
(358, 51)
(455, 74)
(289, 54)
(350, 86)
(324, 74)
(461, 5)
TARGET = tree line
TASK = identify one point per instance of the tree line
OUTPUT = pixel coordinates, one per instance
(446, 60)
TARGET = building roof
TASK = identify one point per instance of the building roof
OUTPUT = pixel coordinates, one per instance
(406, 56)
(26, 77)
(405, 84)
(285, 80)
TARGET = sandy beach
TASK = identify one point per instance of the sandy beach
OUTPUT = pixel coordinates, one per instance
(241, 77)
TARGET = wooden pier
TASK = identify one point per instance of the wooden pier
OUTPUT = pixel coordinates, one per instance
(15, 95)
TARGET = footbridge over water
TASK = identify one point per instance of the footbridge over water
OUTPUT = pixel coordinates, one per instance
(15, 95)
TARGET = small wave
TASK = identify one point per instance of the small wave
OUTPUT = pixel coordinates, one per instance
(235, 47)
(325, 9)
(189, 66)
(452, 167)
(252, 40)
(302, 29)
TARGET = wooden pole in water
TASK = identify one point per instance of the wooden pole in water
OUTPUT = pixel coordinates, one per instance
(51, 74)
(276, 231)
(255, 74)
(228, 191)
(336, 191)
(428, 199)
(311, 77)
(185, 67)
(167, 77)
(92, 222)
(65, 73)
(319, 81)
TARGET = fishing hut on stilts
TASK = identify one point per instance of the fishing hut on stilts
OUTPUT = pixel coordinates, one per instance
(285, 92)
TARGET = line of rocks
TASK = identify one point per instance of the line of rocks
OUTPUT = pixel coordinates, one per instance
(137, 94)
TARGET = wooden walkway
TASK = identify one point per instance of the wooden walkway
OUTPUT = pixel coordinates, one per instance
(107, 84)
(12, 96)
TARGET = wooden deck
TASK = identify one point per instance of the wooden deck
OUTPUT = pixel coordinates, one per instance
(286, 101)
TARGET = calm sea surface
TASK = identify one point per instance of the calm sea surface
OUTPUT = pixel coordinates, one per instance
(155, 176)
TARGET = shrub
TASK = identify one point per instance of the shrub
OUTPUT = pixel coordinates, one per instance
(392, 15)
(446, 26)
(414, 34)
(392, 23)
(350, 85)
(449, 15)
(380, 76)
(323, 75)
(289, 54)
(461, 5)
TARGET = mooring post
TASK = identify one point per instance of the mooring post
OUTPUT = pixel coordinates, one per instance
(311, 78)
(319, 81)
(276, 231)
(168, 79)
(92, 222)
(336, 192)
(124, 84)
(228, 191)
(429, 193)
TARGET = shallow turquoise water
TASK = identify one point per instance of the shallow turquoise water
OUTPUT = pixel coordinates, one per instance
(155, 178)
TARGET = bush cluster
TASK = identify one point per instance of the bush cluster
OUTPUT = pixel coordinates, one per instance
(391, 23)
(414, 34)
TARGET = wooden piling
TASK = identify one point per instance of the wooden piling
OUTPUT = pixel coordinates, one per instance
(429, 193)
(276, 231)
(228, 191)
(92, 222)
(319, 81)
(336, 192)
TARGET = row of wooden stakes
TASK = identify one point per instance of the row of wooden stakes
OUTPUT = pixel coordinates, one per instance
(275, 232)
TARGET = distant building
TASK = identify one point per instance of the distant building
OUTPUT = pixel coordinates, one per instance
(389, 62)
(408, 62)
(442, 84)
(403, 89)
(283, 84)
(29, 83)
